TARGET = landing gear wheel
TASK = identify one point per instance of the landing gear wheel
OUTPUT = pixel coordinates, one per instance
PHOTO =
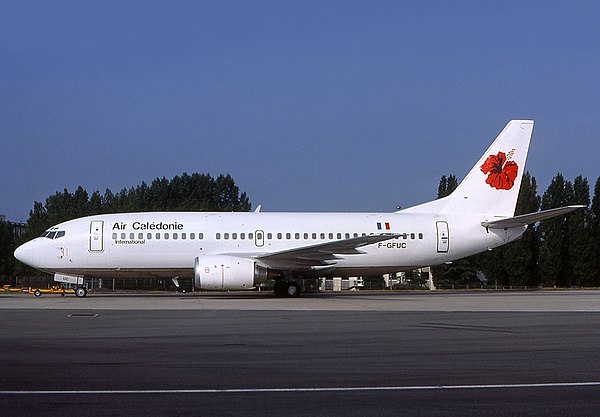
(286, 289)
(292, 290)
(37, 293)
(80, 292)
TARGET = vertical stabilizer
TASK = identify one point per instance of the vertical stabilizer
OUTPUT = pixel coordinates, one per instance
(492, 186)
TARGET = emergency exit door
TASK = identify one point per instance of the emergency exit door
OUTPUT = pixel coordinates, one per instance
(443, 237)
(96, 236)
(259, 238)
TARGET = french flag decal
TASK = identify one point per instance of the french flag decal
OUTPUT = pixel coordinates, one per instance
(381, 226)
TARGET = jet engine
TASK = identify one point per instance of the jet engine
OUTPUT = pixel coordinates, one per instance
(223, 272)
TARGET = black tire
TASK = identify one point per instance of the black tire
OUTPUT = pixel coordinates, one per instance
(292, 290)
(37, 293)
(80, 292)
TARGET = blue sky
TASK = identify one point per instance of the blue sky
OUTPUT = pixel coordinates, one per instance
(309, 105)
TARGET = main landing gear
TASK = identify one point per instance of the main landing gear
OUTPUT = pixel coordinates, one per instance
(286, 289)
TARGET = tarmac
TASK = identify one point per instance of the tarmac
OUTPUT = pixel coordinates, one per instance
(327, 354)
(533, 300)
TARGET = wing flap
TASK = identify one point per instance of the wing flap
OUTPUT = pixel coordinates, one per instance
(324, 253)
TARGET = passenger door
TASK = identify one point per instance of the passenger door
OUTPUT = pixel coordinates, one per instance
(443, 237)
(96, 236)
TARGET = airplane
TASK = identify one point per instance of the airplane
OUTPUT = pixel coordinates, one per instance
(239, 251)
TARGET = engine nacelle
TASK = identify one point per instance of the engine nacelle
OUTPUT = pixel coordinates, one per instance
(222, 272)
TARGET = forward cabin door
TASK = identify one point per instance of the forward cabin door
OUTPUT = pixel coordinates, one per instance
(443, 237)
(96, 236)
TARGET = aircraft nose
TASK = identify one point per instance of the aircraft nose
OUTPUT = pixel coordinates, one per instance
(24, 253)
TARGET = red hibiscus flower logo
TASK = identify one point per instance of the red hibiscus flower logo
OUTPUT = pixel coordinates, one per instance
(501, 171)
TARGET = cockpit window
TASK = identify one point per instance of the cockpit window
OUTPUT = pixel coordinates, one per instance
(53, 234)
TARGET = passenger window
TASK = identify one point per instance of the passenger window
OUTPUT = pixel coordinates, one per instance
(305, 236)
(412, 235)
(279, 236)
(355, 234)
(226, 236)
(323, 235)
(192, 236)
(218, 236)
(114, 236)
(149, 236)
(420, 235)
(157, 236)
(123, 236)
(140, 236)
(234, 236)
(288, 236)
(314, 236)
(330, 235)
(242, 236)
(297, 236)
(131, 236)
(269, 236)
(251, 236)
(175, 236)
(183, 236)
(166, 236)
(347, 235)
(339, 235)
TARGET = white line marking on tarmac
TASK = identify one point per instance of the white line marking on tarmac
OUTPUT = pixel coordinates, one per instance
(285, 390)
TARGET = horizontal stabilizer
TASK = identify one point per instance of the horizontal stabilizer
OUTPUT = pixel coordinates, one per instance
(525, 219)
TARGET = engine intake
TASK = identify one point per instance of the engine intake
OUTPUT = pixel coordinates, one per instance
(222, 272)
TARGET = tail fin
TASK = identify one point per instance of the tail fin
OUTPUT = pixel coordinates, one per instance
(492, 186)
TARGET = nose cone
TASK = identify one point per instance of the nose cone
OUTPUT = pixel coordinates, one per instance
(24, 253)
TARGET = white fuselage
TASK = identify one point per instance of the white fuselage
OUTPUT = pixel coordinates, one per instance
(165, 244)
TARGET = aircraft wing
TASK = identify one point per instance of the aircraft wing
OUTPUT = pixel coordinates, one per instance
(525, 219)
(323, 254)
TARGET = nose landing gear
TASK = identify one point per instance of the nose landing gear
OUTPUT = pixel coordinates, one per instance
(80, 292)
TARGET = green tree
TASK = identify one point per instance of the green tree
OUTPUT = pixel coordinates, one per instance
(37, 222)
(7, 246)
(594, 274)
(555, 256)
(228, 195)
(580, 235)
(95, 205)
(447, 185)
